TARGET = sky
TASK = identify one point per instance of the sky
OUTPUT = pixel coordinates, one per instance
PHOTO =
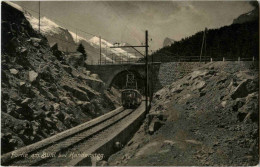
(126, 21)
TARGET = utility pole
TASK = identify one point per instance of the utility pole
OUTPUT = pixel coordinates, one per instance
(203, 39)
(146, 71)
(39, 17)
(106, 55)
(205, 44)
(100, 50)
(146, 46)
(152, 70)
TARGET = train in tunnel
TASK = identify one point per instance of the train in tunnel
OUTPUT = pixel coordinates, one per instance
(130, 96)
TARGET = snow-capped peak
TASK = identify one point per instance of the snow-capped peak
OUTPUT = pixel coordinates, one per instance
(95, 41)
(47, 25)
(77, 38)
(50, 28)
(14, 5)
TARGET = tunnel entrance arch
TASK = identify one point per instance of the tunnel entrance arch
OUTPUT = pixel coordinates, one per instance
(119, 80)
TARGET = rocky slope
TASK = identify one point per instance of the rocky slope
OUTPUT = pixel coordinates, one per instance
(43, 92)
(209, 117)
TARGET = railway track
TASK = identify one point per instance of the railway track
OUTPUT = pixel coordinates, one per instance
(74, 146)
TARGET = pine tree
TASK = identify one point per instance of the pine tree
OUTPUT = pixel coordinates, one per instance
(81, 49)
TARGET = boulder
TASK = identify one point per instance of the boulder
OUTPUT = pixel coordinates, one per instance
(198, 85)
(26, 101)
(177, 89)
(87, 106)
(76, 92)
(49, 113)
(67, 120)
(56, 52)
(155, 125)
(25, 111)
(13, 71)
(32, 76)
(55, 106)
(75, 59)
(95, 76)
(35, 40)
(196, 74)
(23, 51)
(161, 116)
(67, 68)
(39, 114)
(238, 103)
(59, 115)
(79, 103)
(246, 87)
(46, 73)
(13, 113)
(22, 84)
(87, 73)
(169, 142)
(49, 121)
(224, 103)
(102, 163)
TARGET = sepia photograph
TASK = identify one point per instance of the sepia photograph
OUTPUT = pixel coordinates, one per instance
(130, 83)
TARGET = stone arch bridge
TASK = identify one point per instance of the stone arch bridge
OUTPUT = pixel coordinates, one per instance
(160, 74)
(108, 72)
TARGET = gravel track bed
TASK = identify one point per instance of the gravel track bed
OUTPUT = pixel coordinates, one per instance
(61, 147)
(87, 144)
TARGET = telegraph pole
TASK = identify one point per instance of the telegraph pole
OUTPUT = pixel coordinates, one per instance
(106, 55)
(205, 44)
(39, 17)
(146, 71)
(151, 97)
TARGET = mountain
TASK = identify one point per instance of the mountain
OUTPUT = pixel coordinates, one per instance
(68, 41)
(131, 50)
(53, 32)
(247, 17)
(168, 41)
(105, 46)
(231, 42)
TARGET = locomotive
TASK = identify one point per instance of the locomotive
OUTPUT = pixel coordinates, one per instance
(130, 96)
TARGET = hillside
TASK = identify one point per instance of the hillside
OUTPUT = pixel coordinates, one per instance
(42, 92)
(249, 16)
(207, 118)
(231, 42)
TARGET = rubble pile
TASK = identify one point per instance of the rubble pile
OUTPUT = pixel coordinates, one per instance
(209, 117)
(42, 92)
